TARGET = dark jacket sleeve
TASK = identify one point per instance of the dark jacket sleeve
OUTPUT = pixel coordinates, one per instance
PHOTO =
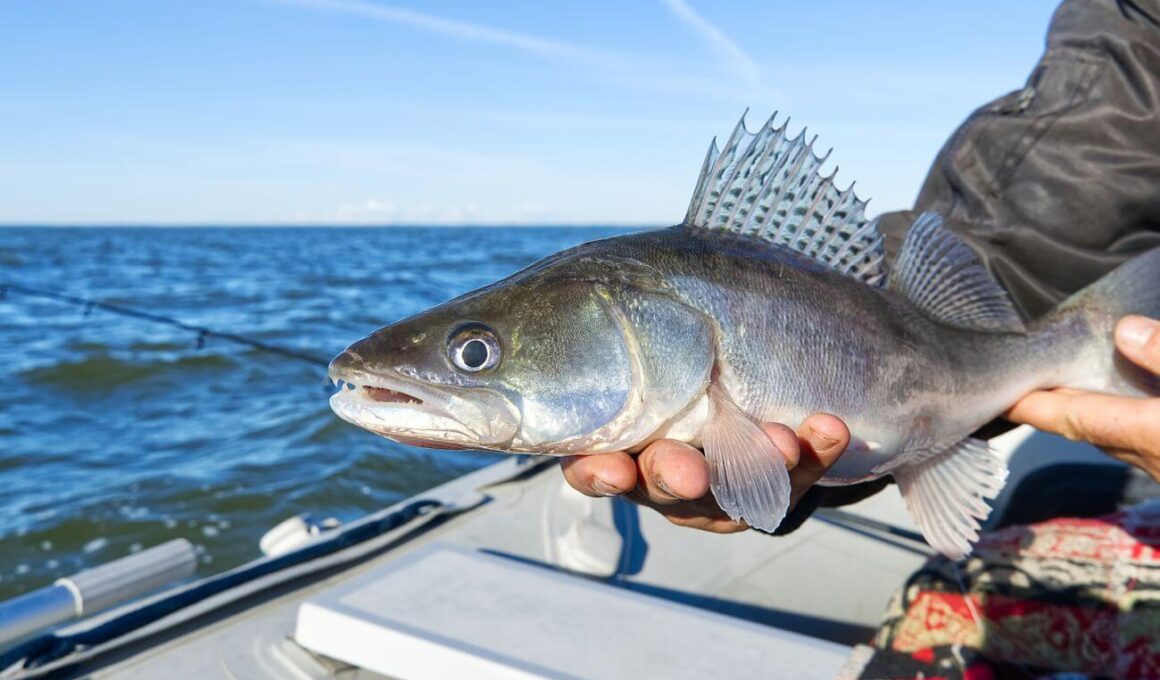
(1057, 183)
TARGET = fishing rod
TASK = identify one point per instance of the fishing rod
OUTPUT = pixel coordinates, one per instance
(203, 332)
(905, 539)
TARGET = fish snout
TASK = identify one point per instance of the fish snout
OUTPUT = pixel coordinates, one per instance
(346, 362)
(384, 350)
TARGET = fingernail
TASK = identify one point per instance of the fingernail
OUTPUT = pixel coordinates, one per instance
(828, 442)
(1135, 331)
(604, 489)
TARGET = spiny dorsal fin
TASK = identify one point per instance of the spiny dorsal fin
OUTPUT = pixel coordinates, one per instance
(943, 277)
(768, 185)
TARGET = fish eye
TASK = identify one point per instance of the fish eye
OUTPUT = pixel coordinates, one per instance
(473, 347)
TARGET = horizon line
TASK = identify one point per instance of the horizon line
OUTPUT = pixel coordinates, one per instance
(328, 225)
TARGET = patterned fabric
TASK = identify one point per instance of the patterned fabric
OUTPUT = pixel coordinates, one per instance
(1074, 596)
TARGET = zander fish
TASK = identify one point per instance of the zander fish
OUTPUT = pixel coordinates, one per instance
(769, 302)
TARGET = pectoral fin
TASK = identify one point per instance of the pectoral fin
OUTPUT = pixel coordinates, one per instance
(947, 494)
(747, 472)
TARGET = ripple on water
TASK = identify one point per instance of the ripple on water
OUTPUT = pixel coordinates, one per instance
(103, 372)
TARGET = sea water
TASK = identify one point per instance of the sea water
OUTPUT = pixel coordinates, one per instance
(118, 434)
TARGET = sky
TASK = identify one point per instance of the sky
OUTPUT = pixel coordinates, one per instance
(469, 112)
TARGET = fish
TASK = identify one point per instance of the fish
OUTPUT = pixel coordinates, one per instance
(770, 301)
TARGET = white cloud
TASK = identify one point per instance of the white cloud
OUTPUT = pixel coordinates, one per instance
(378, 211)
(370, 210)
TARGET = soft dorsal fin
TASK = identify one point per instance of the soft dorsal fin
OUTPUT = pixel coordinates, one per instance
(943, 277)
(768, 185)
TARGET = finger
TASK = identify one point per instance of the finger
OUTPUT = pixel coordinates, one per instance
(1149, 463)
(671, 471)
(786, 441)
(606, 474)
(703, 513)
(1138, 338)
(1101, 419)
(718, 523)
(823, 438)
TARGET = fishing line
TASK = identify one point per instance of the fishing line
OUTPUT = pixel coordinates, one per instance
(203, 332)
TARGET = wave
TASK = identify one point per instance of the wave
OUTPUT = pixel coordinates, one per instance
(106, 372)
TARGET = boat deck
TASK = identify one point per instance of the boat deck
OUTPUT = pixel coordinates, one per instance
(830, 580)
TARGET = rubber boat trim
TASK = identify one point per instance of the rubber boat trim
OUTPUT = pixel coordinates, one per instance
(177, 608)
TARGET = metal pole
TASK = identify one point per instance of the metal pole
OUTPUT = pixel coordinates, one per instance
(97, 589)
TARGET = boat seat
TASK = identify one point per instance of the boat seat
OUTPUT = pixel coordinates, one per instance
(444, 611)
(1076, 490)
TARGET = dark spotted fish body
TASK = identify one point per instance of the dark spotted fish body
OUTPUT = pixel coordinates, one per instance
(768, 303)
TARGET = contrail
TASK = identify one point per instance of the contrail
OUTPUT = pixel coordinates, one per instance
(456, 29)
(613, 65)
(742, 63)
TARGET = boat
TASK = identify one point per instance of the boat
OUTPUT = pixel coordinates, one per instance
(507, 572)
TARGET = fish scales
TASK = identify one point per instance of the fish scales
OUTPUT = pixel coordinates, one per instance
(795, 339)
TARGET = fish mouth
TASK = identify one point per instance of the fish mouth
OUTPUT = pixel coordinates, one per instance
(372, 387)
(422, 414)
(388, 396)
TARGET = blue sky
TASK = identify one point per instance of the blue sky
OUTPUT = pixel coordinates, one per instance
(361, 111)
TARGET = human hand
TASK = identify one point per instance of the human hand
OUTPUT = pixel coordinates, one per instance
(1127, 428)
(673, 478)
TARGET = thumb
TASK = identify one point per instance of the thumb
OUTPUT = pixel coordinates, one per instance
(1138, 338)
